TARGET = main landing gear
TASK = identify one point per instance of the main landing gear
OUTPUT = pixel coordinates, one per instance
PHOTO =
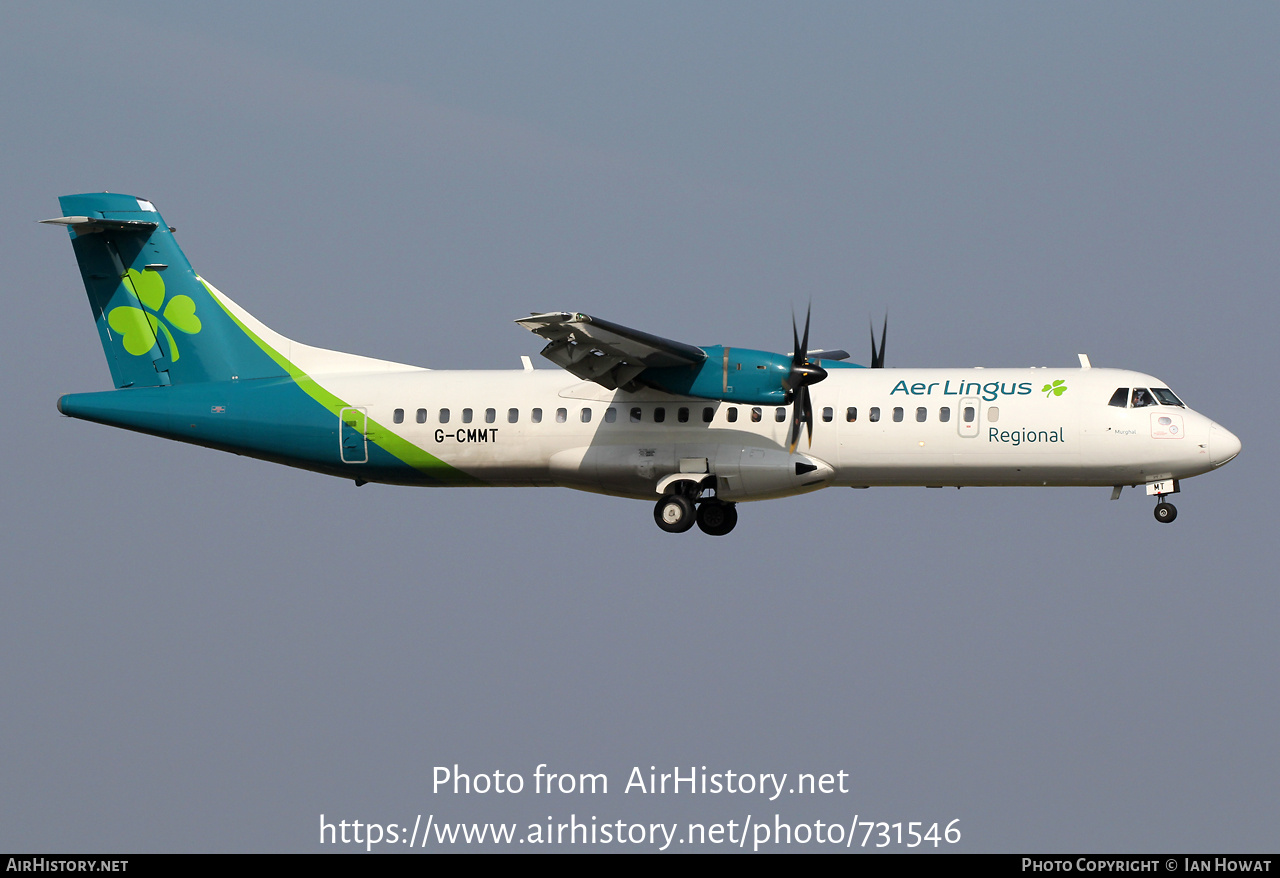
(676, 513)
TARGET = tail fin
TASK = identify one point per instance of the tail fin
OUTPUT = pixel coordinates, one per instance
(158, 322)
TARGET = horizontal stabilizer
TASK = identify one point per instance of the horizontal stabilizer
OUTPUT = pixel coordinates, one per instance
(84, 225)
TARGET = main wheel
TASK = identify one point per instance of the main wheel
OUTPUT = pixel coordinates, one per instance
(1166, 512)
(674, 513)
(717, 518)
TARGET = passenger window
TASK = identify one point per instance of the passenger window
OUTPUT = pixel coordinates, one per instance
(586, 416)
(732, 414)
(874, 416)
(635, 415)
(444, 416)
(756, 414)
(1142, 398)
(780, 414)
(993, 414)
(944, 414)
(466, 416)
(562, 415)
(490, 415)
(851, 414)
(398, 416)
(828, 414)
(1120, 398)
(513, 415)
(897, 414)
(682, 415)
(610, 415)
(969, 414)
(659, 415)
(921, 414)
(422, 416)
(707, 414)
(536, 416)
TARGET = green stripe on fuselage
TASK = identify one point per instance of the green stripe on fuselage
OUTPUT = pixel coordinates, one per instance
(398, 447)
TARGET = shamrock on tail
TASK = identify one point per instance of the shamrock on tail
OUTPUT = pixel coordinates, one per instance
(1057, 388)
(138, 326)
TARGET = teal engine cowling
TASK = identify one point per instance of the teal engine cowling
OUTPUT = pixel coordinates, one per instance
(730, 374)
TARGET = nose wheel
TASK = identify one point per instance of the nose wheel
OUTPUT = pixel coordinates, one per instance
(1166, 512)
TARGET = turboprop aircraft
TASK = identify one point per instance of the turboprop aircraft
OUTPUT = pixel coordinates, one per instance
(693, 429)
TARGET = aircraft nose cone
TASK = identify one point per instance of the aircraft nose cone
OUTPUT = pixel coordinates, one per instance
(1223, 445)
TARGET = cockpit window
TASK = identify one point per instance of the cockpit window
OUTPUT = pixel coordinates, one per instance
(1142, 397)
(1120, 398)
(1166, 397)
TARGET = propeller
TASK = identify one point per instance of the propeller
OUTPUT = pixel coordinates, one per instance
(803, 373)
(877, 355)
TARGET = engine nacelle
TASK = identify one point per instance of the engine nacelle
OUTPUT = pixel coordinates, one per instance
(730, 374)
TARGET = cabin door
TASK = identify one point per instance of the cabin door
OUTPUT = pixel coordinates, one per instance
(353, 429)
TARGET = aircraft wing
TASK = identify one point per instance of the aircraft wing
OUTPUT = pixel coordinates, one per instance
(606, 353)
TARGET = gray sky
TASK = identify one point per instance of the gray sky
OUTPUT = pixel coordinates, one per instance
(204, 652)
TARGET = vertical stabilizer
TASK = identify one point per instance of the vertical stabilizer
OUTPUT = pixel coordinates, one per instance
(158, 322)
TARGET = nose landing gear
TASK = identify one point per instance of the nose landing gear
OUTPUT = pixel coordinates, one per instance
(1165, 511)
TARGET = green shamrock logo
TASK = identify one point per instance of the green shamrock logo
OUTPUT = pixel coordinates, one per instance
(1057, 388)
(138, 326)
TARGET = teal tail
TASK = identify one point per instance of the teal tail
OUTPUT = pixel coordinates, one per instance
(158, 322)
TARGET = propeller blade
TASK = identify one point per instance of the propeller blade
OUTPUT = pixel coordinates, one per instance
(803, 350)
(797, 356)
(877, 355)
(808, 413)
(801, 414)
(803, 373)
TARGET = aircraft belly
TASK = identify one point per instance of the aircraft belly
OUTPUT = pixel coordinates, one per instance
(625, 470)
(967, 468)
(740, 472)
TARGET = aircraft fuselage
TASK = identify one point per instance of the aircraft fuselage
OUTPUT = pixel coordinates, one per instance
(872, 427)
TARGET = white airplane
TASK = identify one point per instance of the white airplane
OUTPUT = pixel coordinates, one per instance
(693, 429)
